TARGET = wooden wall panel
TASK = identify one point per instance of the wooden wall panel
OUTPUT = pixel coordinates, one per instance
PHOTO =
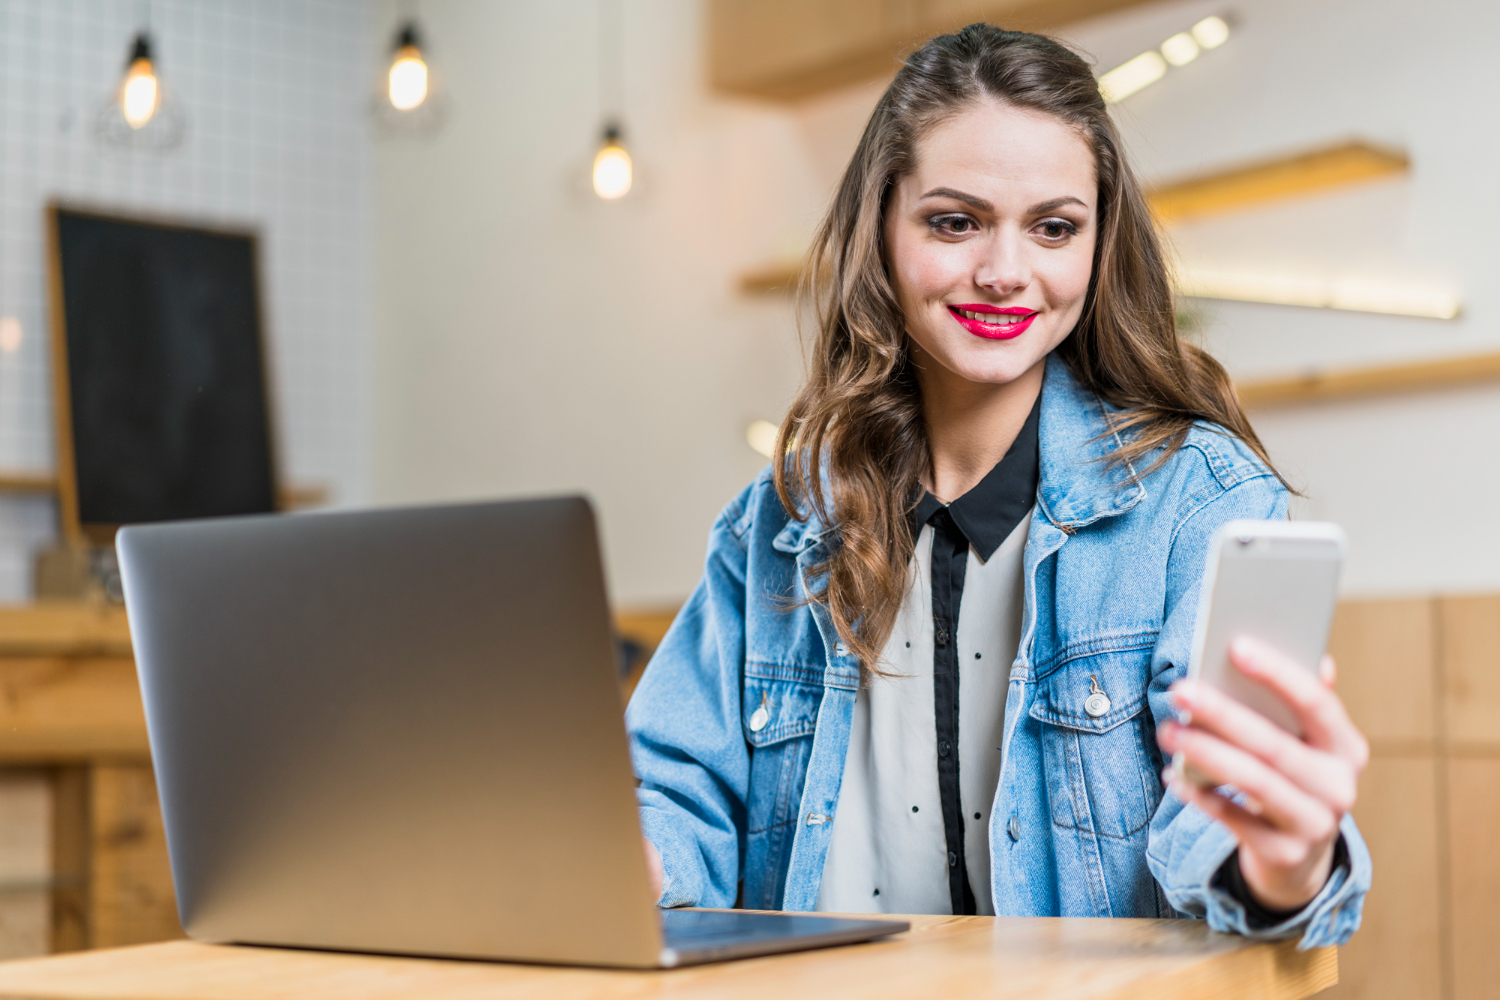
(1397, 953)
(1474, 838)
(1386, 668)
(1471, 670)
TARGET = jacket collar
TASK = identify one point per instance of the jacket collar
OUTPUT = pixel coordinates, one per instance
(1077, 484)
(799, 536)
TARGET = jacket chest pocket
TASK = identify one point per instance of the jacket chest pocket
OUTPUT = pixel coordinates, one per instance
(1099, 744)
(778, 714)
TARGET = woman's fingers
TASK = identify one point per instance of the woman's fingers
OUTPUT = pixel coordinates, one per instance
(1296, 861)
(1325, 723)
(1270, 794)
(1323, 775)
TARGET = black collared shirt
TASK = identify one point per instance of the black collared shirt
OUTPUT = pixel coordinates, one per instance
(980, 520)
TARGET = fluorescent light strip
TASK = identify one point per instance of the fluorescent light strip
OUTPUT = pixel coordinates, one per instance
(1125, 79)
(1354, 295)
(1148, 67)
(761, 435)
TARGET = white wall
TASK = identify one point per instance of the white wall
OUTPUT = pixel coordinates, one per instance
(276, 97)
(533, 339)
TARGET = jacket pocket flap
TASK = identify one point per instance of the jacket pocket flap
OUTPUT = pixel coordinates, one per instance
(1095, 693)
(773, 709)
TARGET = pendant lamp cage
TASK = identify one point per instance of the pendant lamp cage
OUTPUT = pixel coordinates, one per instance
(142, 112)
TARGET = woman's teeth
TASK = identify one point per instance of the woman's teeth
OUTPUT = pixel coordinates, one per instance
(994, 319)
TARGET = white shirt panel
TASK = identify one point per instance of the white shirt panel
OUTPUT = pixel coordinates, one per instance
(888, 853)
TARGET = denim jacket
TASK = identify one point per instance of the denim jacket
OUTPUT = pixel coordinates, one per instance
(1079, 825)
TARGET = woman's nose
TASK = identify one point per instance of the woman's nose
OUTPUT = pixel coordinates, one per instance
(1003, 269)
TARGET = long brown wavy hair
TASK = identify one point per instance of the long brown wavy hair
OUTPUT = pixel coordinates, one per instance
(859, 414)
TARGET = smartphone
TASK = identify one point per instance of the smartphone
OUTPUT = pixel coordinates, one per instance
(1275, 581)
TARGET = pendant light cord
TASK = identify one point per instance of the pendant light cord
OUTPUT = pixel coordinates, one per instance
(611, 70)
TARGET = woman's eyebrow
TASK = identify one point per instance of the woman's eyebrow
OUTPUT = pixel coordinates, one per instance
(978, 203)
(973, 201)
(1055, 203)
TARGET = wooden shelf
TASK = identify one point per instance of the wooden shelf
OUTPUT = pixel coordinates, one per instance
(27, 482)
(1276, 179)
(788, 50)
(1318, 387)
(773, 279)
(298, 496)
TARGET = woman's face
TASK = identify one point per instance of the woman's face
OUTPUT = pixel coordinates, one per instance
(990, 242)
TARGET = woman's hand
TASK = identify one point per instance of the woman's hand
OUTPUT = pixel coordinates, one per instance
(653, 865)
(1296, 790)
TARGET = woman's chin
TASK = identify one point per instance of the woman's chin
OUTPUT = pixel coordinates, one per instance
(994, 371)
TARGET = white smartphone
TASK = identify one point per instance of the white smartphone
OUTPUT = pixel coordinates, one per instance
(1275, 581)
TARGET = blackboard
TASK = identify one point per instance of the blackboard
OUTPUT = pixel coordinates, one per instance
(161, 381)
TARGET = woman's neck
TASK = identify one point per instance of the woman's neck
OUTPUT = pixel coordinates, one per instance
(971, 425)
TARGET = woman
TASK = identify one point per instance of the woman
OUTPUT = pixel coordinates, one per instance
(936, 656)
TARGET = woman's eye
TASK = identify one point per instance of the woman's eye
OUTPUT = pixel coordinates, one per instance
(953, 225)
(1057, 229)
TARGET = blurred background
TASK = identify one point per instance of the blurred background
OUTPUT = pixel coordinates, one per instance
(506, 248)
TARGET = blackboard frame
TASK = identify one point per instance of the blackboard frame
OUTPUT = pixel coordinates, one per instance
(74, 529)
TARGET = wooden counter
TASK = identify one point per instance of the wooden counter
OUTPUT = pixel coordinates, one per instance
(948, 957)
(71, 708)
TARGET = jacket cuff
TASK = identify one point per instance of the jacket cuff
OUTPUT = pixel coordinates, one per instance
(1331, 917)
(683, 878)
(1231, 879)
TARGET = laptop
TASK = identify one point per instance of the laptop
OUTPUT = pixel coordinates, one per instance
(400, 731)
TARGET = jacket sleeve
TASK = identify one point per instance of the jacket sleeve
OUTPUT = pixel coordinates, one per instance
(686, 744)
(1186, 847)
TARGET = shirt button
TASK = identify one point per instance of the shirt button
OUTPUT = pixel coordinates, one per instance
(944, 748)
(942, 637)
(952, 860)
(1014, 828)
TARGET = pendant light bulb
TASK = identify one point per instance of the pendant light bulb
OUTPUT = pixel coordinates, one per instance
(140, 95)
(612, 168)
(407, 79)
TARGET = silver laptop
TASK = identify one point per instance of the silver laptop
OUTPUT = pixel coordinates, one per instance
(400, 731)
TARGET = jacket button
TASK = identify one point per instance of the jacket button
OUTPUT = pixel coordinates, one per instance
(1097, 703)
(944, 749)
(952, 860)
(758, 719)
(841, 649)
(1014, 828)
(942, 637)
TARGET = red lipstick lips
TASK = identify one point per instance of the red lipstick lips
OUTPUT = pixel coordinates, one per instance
(993, 322)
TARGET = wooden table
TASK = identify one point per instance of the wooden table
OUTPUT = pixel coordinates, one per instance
(942, 957)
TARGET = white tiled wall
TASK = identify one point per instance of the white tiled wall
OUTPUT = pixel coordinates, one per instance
(276, 95)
